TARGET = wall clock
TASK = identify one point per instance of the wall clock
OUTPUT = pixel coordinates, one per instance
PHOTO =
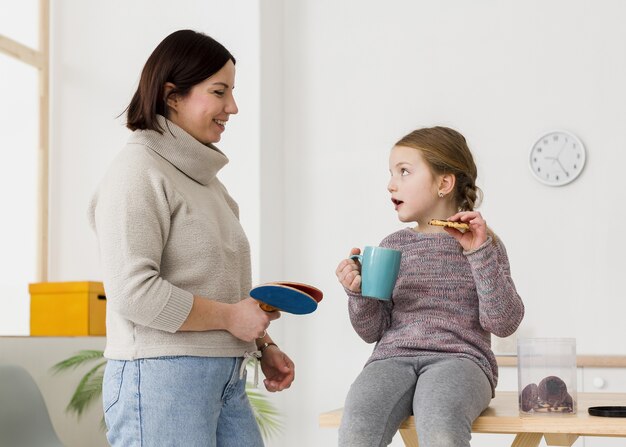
(557, 158)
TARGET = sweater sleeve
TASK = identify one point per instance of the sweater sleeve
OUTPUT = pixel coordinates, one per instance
(500, 307)
(131, 216)
(370, 317)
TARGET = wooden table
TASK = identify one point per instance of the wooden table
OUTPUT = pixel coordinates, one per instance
(502, 416)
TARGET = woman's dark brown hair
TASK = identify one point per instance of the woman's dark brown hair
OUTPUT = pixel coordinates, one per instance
(446, 152)
(184, 58)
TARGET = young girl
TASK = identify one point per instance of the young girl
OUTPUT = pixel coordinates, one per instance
(432, 356)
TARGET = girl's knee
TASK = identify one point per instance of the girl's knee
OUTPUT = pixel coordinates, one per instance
(360, 427)
(444, 437)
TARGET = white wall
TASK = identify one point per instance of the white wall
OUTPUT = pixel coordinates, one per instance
(337, 83)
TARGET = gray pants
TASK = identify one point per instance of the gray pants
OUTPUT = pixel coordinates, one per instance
(445, 395)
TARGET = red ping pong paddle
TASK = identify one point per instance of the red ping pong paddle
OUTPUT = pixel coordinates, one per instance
(287, 296)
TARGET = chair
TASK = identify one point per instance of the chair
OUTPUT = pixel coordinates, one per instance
(24, 418)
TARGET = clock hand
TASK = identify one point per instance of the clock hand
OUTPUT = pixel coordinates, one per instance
(556, 160)
(561, 165)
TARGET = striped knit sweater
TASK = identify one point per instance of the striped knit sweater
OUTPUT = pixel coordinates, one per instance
(446, 302)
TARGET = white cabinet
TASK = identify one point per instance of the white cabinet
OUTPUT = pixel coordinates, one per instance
(604, 380)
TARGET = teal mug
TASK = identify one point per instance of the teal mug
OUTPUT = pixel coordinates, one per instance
(379, 271)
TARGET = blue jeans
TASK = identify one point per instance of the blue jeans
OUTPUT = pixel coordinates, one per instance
(178, 401)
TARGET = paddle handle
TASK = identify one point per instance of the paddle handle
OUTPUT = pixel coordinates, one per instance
(267, 307)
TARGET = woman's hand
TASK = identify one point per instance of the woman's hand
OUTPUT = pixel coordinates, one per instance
(248, 321)
(349, 272)
(278, 369)
(477, 233)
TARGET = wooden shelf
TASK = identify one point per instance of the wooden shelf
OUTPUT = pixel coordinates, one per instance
(596, 361)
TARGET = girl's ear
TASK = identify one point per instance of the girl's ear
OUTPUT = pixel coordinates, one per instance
(171, 100)
(446, 183)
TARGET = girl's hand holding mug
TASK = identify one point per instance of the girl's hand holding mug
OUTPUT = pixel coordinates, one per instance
(349, 272)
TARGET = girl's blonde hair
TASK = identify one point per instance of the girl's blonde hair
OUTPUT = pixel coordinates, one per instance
(446, 152)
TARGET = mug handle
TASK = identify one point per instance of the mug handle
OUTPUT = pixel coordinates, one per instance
(359, 257)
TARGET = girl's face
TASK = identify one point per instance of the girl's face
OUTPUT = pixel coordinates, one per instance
(203, 113)
(413, 187)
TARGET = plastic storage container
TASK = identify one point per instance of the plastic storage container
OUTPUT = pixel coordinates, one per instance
(546, 371)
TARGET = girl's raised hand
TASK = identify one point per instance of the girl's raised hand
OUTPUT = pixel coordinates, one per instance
(477, 233)
(349, 272)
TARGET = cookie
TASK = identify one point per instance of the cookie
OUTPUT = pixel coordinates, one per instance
(448, 223)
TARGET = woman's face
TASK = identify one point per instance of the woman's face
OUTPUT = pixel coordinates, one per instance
(203, 113)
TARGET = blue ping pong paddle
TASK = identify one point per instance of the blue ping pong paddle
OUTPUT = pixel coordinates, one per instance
(287, 297)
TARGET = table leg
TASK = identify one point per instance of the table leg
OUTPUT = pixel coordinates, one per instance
(409, 436)
(566, 439)
(527, 440)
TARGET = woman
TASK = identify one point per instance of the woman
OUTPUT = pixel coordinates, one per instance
(176, 264)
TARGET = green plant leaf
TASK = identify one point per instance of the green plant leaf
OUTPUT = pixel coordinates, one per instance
(264, 411)
(77, 360)
(90, 386)
(88, 390)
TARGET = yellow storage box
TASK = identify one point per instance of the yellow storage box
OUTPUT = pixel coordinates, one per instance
(67, 308)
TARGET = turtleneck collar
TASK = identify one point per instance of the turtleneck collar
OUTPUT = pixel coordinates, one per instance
(199, 161)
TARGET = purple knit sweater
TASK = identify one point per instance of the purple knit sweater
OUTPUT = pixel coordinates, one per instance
(446, 302)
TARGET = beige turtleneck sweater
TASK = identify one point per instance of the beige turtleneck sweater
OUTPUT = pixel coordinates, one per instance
(168, 230)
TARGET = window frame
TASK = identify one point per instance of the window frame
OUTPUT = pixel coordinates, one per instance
(40, 59)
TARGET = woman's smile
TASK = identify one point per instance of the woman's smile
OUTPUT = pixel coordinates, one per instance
(220, 123)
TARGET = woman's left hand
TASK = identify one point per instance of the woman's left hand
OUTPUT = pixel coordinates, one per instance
(477, 233)
(278, 369)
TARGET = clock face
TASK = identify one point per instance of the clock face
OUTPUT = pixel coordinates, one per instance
(557, 158)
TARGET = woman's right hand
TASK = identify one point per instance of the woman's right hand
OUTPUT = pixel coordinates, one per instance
(248, 321)
(349, 272)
